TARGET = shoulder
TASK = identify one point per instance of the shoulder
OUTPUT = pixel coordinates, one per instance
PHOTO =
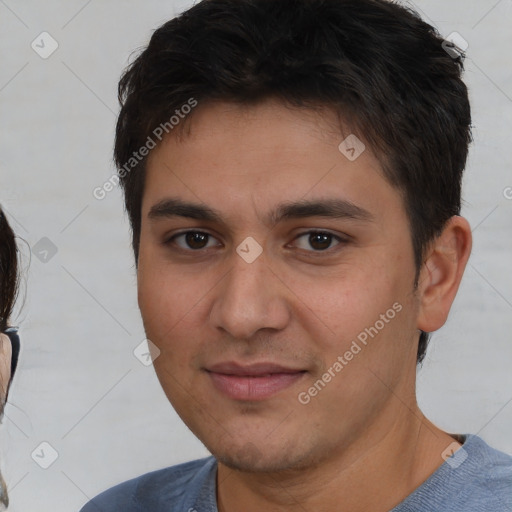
(477, 478)
(488, 476)
(157, 490)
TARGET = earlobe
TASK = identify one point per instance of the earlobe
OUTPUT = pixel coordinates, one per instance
(442, 272)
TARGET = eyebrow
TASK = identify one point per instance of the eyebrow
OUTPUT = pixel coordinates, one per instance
(331, 208)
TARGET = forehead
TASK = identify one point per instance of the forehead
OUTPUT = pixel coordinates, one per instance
(234, 156)
(269, 125)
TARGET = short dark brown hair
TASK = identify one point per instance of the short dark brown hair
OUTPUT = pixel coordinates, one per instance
(374, 62)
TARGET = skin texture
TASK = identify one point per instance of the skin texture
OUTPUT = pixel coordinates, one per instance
(296, 306)
(5, 366)
(5, 373)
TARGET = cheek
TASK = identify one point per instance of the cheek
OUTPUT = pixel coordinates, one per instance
(367, 314)
(172, 305)
(347, 302)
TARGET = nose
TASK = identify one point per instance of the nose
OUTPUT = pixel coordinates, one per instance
(249, 298)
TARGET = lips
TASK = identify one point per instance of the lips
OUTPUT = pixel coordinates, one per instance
(253, 370)
(254, 382)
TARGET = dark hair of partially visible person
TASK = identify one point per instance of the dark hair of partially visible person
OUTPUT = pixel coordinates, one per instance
(377, 64)
(9, 282)
(9, 279)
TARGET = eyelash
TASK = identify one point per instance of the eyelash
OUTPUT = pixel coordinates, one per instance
(339, 239)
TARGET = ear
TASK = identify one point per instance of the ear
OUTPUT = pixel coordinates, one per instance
(441, 273)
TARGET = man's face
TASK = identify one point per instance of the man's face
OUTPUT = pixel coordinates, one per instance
(245, 337)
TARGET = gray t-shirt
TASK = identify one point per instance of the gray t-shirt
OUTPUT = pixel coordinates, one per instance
(477, 478)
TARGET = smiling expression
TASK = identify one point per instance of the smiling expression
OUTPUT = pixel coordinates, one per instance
(264, 253)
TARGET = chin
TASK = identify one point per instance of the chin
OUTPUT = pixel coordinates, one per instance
(250, 459)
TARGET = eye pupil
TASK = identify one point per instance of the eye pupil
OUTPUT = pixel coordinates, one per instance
(324, 240)
(196, 240)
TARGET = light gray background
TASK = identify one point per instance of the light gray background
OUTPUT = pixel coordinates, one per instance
(79, 386)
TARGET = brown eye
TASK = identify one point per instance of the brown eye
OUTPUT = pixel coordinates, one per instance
(318, 240)
(191, 240)
(196, 240)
